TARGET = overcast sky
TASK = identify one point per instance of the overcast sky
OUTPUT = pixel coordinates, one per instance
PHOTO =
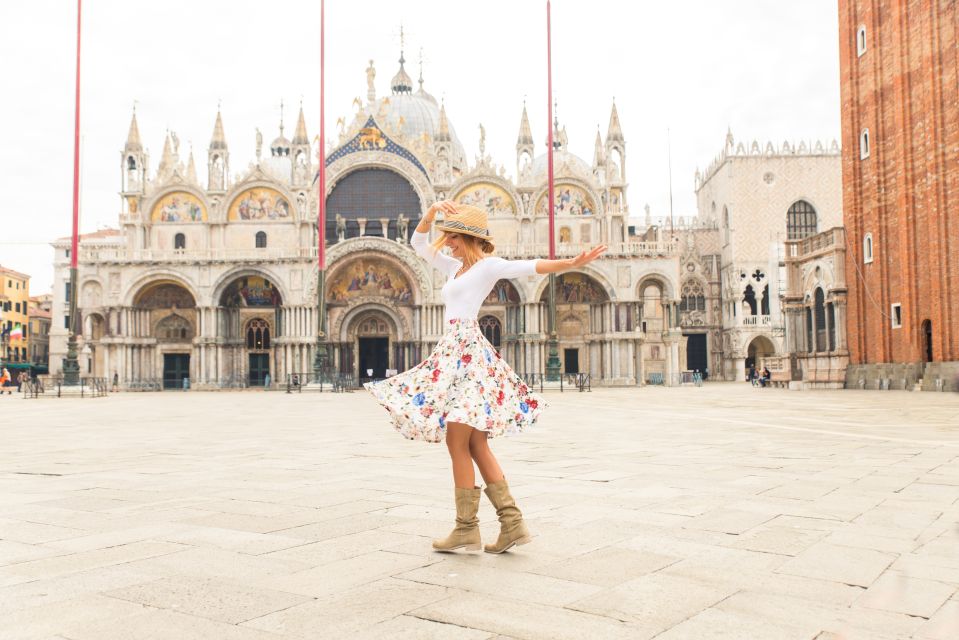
(767, 68)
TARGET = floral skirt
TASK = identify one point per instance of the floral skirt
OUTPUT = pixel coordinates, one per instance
(463, 380)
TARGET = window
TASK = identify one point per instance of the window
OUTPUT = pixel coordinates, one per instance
(18, 307)
(693, 297)
(179, 241)
(66, 291)
(861, 40)
(896, 315)
(258, 334)
(867, 248)
(864, 144)
(261, 240)
(66, 322)
(809, 343)
(491, 329)
(801, 221)
(820, 313)
(831, 317)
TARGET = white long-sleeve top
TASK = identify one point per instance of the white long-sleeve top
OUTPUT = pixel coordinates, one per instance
(464, 295)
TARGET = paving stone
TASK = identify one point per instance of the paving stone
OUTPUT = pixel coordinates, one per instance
(785, 512)
(944, 624)
(210, 598)
(895, 591)
(848, 565)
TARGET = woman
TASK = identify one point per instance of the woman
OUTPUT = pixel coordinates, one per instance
(463, 392)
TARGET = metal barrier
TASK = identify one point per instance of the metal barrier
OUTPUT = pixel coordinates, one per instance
(52, 386)
(32, 388)
(144, 384)
(580, 381)
(335, 381)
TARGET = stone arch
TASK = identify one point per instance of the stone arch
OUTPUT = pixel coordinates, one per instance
(341, 326)
(257, 181)
(415, 267)
(758, 347)
(230, 276)
(664, 282)
(541, 289)
(154, 277)
(146, 212)
(464, 183)
(173, 327)
(94, 326)
(163, 293)
(347, 164)
(258, 333)
(505, 292)
(797, 209)
(577, 182)
(392, 280)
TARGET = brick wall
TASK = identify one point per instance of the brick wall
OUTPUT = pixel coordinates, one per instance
(904, 87)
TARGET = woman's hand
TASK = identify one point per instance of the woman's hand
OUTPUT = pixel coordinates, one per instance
(446, 206)
(586, 257)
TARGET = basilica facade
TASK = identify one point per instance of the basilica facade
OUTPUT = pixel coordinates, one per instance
(215, 281)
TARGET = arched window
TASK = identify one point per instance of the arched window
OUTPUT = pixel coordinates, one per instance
(801, 221)
(749, 298)
(861, 40)
(867, 248)
(820, 313)
(258, 334)
(693, 297)
(864, 144)
(831, 317)
(261, 239)
(809, 342)
(131, 163)
(491, 328)
(179, 241)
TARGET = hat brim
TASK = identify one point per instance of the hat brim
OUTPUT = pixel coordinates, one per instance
(463, 230)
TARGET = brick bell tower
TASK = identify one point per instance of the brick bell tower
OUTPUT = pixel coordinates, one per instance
(900, 166)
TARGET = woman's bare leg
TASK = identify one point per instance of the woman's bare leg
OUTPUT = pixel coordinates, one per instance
(480, 452)
(458, 443)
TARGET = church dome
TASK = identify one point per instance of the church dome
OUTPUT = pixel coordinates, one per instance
(416, 115)
(561, 158)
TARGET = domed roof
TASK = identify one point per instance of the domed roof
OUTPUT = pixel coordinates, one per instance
(561, 157)
(416, 115)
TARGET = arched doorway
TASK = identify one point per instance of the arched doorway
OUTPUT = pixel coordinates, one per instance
(372, 331)
(759, 349)
(166, 312)
(579, 312)
(926, 331)
(250, 315)
(258, 346)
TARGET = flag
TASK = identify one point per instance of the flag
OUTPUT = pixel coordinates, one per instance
(16, 333)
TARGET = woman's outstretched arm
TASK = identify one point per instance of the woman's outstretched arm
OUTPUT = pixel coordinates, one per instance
(568, 264)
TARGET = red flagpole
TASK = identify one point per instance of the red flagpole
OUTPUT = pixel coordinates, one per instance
(321, 194)
(549, 126)
(75, 239)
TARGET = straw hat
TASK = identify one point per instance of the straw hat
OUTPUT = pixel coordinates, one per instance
(468, 220)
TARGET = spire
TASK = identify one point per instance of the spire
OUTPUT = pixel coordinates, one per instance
(168, 160)
(599, 153)
(402, 83)
(191, 168)
(133, 137)
(219, 140)
(421, 70)
(615, 132)
(444, 129)
(525, 134)
(281, 117)
(300, 137)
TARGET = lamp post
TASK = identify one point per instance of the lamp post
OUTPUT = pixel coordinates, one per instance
(321, 355)
(71, 366)
(552, 361)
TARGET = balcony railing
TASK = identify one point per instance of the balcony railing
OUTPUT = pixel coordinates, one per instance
(126, 254)
(755, 321)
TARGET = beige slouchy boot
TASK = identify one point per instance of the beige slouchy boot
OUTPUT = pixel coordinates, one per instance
(466, 533)
(512, 528)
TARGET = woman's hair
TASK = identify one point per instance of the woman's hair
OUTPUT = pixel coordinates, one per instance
(473, 247)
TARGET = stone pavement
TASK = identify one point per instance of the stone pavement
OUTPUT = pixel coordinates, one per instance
(717, 512)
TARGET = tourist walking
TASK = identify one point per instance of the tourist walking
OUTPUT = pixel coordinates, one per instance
(5, 382)
(463, 392)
